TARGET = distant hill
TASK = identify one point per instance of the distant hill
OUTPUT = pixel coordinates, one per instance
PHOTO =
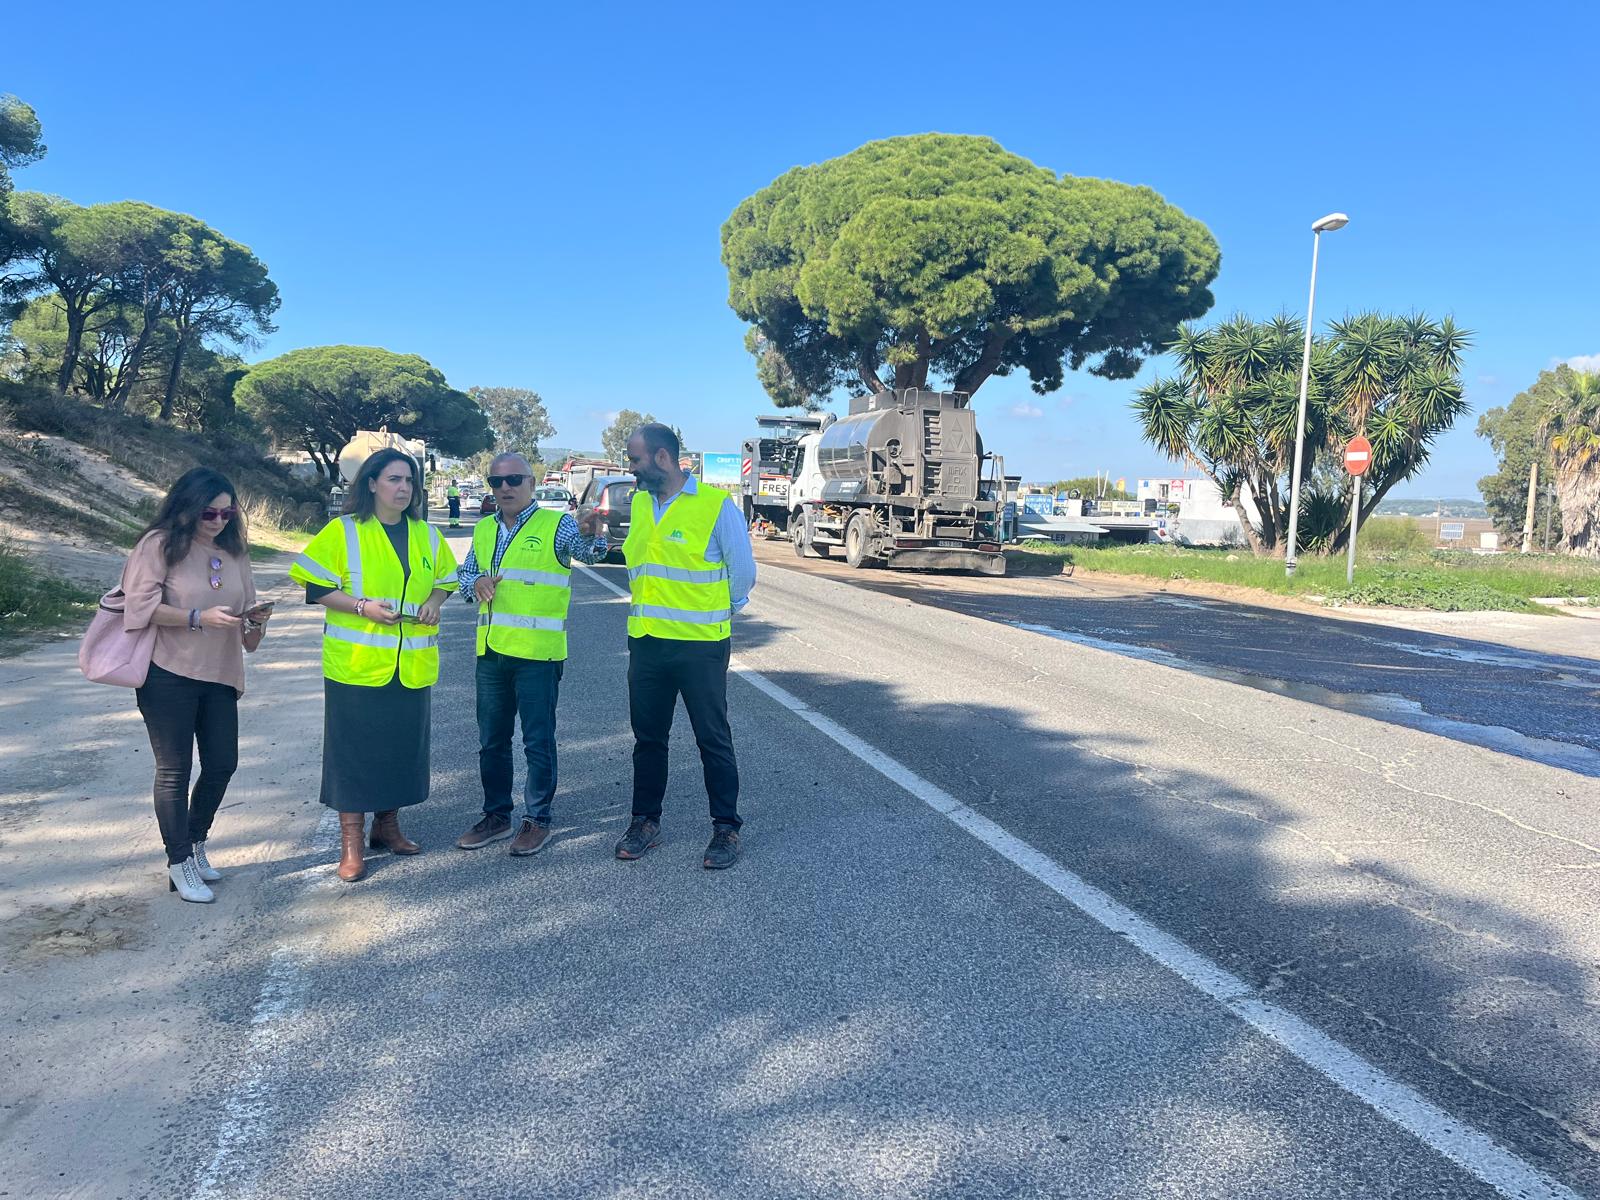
(1426, 508)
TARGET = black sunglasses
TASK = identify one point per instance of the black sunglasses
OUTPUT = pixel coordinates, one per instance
(509, 480)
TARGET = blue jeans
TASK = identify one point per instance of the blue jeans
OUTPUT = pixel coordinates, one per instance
(509, 689)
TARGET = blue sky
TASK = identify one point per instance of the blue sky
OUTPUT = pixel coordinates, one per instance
(533, 199)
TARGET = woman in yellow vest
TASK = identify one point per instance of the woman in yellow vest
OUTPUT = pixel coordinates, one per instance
(383, 574)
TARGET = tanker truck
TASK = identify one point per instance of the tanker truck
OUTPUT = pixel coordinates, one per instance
(902, 481)
(368, 442)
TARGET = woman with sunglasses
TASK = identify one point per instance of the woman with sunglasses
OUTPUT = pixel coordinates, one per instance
(189, 576)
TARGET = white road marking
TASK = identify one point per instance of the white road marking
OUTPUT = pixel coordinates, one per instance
(249, 1107)
(1399, 1103)
(248, 1110)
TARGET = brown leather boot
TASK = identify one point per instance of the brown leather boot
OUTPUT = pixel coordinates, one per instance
(352, 829)
(386, 834)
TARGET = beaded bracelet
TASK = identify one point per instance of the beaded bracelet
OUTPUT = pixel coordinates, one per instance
(194, 620)
(361, 607)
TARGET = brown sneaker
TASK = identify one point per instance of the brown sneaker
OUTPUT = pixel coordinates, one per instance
(489, 829)
(530, 839)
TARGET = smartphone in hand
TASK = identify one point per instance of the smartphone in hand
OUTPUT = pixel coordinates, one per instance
(261, 609)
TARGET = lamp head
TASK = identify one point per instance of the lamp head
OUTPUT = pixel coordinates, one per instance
(1330, 222)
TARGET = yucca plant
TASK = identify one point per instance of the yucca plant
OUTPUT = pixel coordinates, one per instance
(1232, 408)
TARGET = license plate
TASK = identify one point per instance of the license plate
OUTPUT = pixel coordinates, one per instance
(947, 542)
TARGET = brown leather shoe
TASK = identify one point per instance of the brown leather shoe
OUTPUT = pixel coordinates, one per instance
(386, 834)
(530, 839)
(488, 829)
(352, 831)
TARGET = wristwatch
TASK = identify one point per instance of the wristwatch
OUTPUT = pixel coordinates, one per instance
(194, 620)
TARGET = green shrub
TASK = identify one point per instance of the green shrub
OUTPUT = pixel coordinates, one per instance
(32, 599)
(1392, 537)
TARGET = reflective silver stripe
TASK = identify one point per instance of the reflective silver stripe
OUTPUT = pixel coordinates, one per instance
(553, 624)
(384, 641)
(352, 554)
(420, 643)
(316, 570)
(687, 615)
(433, 535)
(678, 574)
(548, 578)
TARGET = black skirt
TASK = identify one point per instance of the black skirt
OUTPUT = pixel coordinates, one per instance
(375, 746)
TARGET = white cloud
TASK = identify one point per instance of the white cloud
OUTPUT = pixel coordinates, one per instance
(1027, 411)
(1584, 362)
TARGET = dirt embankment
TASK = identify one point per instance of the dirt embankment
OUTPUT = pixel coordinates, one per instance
(77, 483)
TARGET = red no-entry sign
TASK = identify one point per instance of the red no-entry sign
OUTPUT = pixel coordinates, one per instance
(1358, 456)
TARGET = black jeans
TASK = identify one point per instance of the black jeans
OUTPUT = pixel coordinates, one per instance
(511, 688)
(179, 712)
(659, 670)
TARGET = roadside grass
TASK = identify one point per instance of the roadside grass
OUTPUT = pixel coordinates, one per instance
(1448, 581)
(33, 600)
(273, 529)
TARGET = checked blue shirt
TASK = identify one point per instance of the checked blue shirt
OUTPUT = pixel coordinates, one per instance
(570, 544)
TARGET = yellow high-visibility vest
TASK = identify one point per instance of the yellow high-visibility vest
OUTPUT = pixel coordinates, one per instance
(357, 558)
(677, 593)
(528, 616)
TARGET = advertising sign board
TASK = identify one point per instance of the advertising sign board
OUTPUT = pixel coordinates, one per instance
(721, 470)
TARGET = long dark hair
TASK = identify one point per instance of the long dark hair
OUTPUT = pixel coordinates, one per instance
(179, 515)
(359, 502)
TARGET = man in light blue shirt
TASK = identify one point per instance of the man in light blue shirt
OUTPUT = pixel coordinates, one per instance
(730, 541)
(668, 661)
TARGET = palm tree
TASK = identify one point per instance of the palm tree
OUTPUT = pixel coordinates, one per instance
(1396, 381)
(1572, 428)
(1231, 413)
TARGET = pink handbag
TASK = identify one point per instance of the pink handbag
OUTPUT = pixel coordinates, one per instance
(112, 654)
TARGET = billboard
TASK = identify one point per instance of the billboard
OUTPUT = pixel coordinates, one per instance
(721, 470)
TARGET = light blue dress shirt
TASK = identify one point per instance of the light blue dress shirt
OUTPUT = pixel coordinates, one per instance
(730, 542)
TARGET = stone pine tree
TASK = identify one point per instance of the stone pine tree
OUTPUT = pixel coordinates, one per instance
(944, 259)
(316, 399)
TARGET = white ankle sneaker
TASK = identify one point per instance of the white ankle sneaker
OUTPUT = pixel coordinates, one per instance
(203, 864)
(185, 880)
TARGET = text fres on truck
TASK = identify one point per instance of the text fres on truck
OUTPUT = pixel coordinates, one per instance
(902, 481)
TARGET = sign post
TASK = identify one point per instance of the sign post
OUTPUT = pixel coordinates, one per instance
(1357, 458)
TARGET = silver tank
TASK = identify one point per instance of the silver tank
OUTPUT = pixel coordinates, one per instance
(911, 443)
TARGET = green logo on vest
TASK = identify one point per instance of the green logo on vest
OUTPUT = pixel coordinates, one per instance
(676, 536)
(533, 541)
(426, 563)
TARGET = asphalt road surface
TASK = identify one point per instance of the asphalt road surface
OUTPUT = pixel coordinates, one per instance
(1016, 917)
(1539, 706)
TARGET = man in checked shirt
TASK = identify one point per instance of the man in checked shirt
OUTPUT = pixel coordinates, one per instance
(519, 574)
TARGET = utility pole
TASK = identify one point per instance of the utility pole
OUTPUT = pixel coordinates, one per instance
(1533, 500)
(1549, 508)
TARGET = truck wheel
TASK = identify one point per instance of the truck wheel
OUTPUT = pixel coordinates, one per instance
(855, 541)
(804, 531)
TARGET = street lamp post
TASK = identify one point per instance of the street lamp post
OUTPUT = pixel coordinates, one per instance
(1329, 223)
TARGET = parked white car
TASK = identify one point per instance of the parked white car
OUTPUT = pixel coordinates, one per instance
(553, 497)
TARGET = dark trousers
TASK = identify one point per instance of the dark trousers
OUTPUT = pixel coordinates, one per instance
(510, 689)
(178, 713)
(659, 671)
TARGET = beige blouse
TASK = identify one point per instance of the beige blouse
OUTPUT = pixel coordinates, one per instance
(214, 655)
